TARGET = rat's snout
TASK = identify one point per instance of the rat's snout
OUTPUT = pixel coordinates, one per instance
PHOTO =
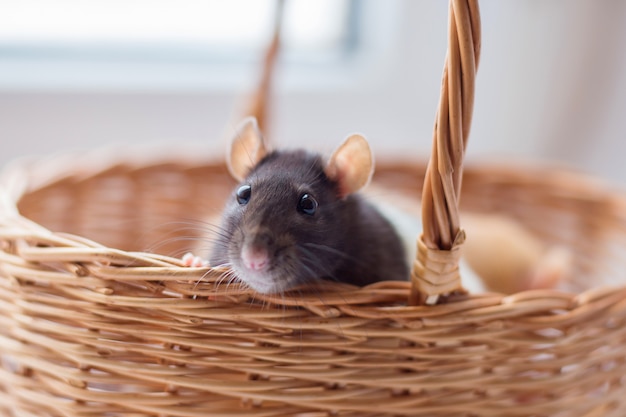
(255, 252)
(255, 259)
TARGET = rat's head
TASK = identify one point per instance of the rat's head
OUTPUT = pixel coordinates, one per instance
(283, 224)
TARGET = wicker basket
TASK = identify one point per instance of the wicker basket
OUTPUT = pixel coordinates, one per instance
(97, 329)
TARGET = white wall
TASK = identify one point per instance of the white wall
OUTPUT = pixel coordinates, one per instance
(551, 86)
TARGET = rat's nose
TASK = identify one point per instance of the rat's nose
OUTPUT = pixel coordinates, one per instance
(255, 258)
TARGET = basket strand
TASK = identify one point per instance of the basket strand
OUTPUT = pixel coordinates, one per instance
(435, 270)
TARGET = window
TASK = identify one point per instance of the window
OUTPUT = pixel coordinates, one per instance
(130, 42)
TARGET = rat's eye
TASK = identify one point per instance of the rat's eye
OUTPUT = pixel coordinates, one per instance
(243, 194)
(307, 204)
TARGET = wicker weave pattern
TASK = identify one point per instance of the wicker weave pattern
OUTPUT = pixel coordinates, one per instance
(88, 330)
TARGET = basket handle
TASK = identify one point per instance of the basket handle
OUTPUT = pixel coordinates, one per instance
(436, 267)
(259, 100)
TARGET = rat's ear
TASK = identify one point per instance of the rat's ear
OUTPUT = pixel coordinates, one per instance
(351, 165)
(246, 149)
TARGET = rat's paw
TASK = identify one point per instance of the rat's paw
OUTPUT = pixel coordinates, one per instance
(190, 260)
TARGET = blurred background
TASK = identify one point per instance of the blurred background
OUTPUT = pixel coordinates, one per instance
(80, 74)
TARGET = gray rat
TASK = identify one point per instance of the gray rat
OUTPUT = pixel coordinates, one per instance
(294, 218)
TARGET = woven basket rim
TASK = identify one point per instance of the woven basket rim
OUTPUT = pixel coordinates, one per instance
(153, 267)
